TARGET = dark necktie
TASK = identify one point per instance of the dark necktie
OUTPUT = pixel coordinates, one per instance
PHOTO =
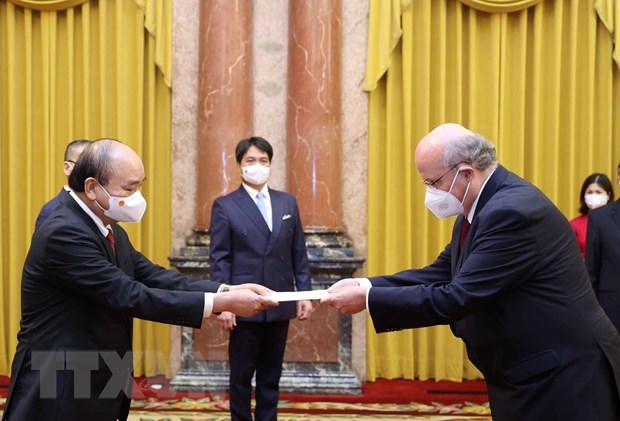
(110, 238)
(464, 230)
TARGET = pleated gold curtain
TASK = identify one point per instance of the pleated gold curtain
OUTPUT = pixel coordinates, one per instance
(81, 69)
(536, 77)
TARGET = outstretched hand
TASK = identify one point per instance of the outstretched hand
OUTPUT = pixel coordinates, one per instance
(347, 282)
(346, 297)
(243, 302)
(257, 288)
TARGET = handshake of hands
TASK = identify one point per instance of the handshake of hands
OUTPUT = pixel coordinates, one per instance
(347, 296)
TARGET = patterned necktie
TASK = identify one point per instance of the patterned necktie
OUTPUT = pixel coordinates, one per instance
(110, 238)
(262, 207)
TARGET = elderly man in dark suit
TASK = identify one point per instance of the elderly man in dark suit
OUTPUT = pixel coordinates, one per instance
(256, 234)
(72, 153)
(511, 283)
(83, 282)
(603, 256)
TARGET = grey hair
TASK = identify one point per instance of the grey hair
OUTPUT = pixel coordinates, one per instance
(475, 150)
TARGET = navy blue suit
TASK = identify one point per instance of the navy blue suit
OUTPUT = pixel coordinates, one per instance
(603, 257)
(49, 207)
(244, 250)
(519, 296)
(78, 302)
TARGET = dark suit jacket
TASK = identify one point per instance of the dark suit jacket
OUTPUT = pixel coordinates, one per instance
(518, 294)
(49, 207)
(243, 249)
(603, 257)
(79, 300)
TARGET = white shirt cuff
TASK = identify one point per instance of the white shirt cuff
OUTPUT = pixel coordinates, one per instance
(365, 282)
(208, 305)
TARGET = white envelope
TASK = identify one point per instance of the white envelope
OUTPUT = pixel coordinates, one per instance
(316, 294)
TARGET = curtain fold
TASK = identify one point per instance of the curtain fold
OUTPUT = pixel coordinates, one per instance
(158, 23)
(609, 13)
(539, 82)
(87, 71)
(384, 32)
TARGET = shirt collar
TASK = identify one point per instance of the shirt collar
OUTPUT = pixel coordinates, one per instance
(253, 192)
(472, 211)
(104, 230)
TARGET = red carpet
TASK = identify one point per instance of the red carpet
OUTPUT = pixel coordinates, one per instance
(379, 397)
(382, 396)
(380, 391)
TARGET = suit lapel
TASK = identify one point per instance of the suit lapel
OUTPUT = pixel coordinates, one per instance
(277, 211)
(458, 254)
(491, 187)
(455, 253)
(103, 242)
(247, 205)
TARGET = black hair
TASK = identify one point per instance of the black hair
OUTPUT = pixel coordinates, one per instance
(74, 145)
(597, 178)
(245, 144)
(94, 162)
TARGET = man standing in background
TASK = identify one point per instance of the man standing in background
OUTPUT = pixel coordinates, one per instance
(72, 153)
(257, 236)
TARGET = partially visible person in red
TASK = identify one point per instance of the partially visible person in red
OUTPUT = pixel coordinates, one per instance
(596, 191)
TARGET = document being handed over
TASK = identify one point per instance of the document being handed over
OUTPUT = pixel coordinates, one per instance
(316, 294)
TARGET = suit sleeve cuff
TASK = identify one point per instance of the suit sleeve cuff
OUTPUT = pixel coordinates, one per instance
(208, 309)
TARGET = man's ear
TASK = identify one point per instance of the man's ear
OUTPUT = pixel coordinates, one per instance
(469, 173)
(67, 167)
(89, 188)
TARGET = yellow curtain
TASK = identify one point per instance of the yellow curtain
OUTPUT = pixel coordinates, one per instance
(87, 70)
(500, 6)
(540, 82)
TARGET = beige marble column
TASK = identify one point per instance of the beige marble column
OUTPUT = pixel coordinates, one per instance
(224, 110)
(225, 97)
(313, 128)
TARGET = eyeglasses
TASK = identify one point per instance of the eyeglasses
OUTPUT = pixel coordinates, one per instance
(68, 160)
(431, 183)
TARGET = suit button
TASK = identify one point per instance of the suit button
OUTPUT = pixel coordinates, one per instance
(264, 259)
(281, 257)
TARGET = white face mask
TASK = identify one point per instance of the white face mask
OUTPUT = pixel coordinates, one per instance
(443, 203)
(125, 209)
(256, 174)
(595, 200)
